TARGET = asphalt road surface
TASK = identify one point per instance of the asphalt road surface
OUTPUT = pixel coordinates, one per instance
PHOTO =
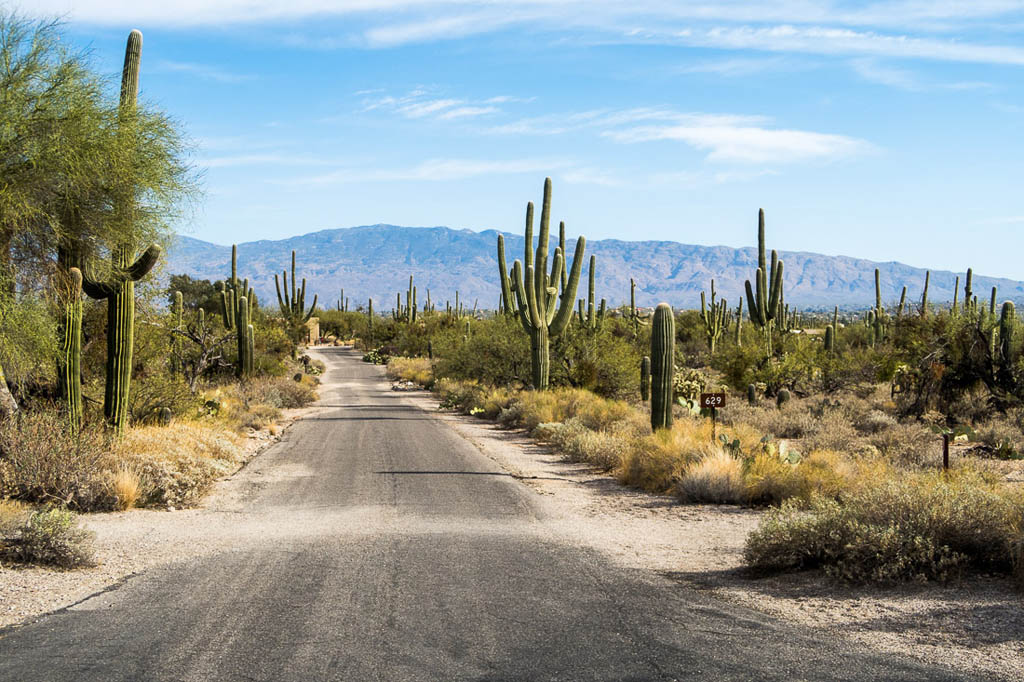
(413, 557)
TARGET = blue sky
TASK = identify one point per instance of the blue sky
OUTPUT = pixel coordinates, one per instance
(890, 131)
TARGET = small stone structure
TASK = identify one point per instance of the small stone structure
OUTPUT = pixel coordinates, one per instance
(312, 330)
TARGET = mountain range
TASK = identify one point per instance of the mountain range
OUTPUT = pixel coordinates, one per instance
(376, 261)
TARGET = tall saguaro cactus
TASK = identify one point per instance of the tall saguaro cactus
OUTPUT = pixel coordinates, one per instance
(663, 350)
(764, 302)
(542, 312)
(69, 370)
(119, 289)
(292, 307)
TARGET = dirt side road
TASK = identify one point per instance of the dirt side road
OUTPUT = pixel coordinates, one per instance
(376, 542)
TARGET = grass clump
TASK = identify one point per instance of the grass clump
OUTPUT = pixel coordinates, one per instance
(716, 478)
(920, 527)
(417, 370)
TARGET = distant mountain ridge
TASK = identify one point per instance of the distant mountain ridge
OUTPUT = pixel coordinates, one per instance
(376, 261)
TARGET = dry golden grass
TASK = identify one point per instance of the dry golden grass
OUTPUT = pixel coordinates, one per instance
(417, 370)
(176, 464)
(716, 478)
(125, 488)
(12, 514)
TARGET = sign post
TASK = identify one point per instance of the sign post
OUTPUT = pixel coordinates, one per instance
(712, 401)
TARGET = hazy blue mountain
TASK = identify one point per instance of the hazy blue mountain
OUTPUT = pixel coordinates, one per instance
(376, 261)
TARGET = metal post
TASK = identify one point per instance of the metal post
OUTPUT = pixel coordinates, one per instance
(945, 452)
(714, 424)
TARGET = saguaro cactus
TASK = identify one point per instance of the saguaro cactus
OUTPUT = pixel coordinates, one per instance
(878, 320)
(293, 307)
(645, 378)
(924, 294)
(764, 303)
(739, 323)
(663, 351)
(714, 318)
(69, 371)
(542, 312)
(1007, 321)
(119, 289)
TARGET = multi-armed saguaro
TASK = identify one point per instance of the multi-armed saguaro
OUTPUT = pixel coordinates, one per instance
(715, 318)
(119, 289)
(765, 304)
(237, 303)
(293, 307)
(542, 312)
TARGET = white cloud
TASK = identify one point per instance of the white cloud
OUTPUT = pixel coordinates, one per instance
(751, 144)
(467, 112)
(739, 66)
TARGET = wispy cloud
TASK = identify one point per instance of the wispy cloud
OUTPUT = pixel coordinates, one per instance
(750, 144)
(874, 71)
(423, 103)
(740, 66)
(1004, 220)
(203, 71)
(435, 170)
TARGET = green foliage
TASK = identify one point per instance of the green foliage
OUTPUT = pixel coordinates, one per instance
(195, 293)
(52, 537)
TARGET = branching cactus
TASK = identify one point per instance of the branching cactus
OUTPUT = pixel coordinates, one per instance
(663, 350)
(764, 298)
(292, 308)
(634, 317)
(714, 318)
(542, 312)
(119, 288)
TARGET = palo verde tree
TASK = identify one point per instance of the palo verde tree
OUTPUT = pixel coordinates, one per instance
(542, 312)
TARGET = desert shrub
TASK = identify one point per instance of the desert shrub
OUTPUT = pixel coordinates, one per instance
(43, 460)
(601, 360)
(492, 401)
(874, 421)
(496, 352)
(279, 392)
(912, 527)
(715, 478)
(908, 443)
(1002, 437)
(832, 431)
(458, 395)
(12, 515)
(656, 461)
(151, 392)
(416, 370)
(52, 537)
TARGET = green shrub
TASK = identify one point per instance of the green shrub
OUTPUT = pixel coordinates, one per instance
(913, 527)
(52, 537)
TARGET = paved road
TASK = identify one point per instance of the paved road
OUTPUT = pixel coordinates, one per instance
(413, 558)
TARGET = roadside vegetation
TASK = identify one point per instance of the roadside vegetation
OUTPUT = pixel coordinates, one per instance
(115, 391)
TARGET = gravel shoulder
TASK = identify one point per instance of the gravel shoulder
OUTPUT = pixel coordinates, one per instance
(130, 542)
(976, 624)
